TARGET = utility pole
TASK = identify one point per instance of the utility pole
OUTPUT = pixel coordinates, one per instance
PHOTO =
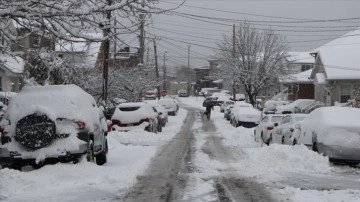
(106, 54)
(142, 34)
(233, 55)
(114, 40)
(156, 68)
(188, 88)
(164, 76)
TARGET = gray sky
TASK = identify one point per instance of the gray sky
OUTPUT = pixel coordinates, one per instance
(194, 24)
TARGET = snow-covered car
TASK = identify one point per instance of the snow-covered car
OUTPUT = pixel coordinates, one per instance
(238, 97)
(243, 114)
(333, 132)
(134, 115)
(183, 93)
(294, 107)
(225, 104)
(270, 106)
(227, 112)
(283, 134)
(49, 124)
(266, 126)
(109, 112)
(220, 98)
(3, 109)
(150, 95)
(163, 116)
(170, 105)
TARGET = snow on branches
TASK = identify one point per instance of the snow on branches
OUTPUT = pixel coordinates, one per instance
(253, 59)
(44, 67)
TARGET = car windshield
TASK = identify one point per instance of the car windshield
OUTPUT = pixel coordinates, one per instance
(276, 119)
(128, 109)
(299, 118)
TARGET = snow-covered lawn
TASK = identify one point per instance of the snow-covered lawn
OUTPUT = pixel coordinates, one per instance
(267, 164)
(129, 155)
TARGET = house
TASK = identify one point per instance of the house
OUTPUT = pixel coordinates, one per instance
(297, 84)
(127, 57)
(300, 62)
(11, 73)
(80, 52)
(337, 69)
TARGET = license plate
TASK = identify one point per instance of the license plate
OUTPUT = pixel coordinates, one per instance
(130, 124)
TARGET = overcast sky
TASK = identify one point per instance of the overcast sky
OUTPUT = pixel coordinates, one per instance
(193, 24)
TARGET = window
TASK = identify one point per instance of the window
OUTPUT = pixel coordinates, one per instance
(345, 93)
(305, 67)
(286, 119)
(265, 119)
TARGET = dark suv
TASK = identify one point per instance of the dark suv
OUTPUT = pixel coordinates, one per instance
(50, 124)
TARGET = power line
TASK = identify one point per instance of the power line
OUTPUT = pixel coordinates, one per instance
(250, 14)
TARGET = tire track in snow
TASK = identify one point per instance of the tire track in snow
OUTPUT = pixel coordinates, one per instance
(165, 179)
(230, 186)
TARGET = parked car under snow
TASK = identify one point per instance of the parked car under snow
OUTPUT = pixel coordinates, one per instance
(333, 132)
(170, 105)
(266, 126)
(136, 115)
(243, 114)
(49, 124)
(294, 107)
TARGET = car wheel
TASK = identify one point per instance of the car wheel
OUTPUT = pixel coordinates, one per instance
(37, 165)
(90, 152)
(159, 128)
(294, 142)
(155, 130)
(101, 158)
(315, 147)
(16, 166)
(270, 141)
(283, 140)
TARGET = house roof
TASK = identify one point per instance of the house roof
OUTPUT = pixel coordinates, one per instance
(301, 57)
(340, 57)
(89, 49)
(302, 77)
(13, 64)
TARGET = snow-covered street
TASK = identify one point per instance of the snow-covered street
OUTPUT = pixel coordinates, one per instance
(193, 159)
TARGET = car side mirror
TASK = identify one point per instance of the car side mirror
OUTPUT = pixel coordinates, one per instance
(160, 113)
(276, 124)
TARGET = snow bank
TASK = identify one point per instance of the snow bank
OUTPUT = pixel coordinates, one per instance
(298, 195)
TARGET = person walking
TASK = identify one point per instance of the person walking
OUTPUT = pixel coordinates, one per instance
(208, 109)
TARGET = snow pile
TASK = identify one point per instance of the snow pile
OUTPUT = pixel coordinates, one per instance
(298, 195)
(278, 159)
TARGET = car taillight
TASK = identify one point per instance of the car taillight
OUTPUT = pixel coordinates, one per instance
(1, 129)
(291, 130)
(80, 124)
(270, 127)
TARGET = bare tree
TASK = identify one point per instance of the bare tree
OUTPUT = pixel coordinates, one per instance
(252, 59)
